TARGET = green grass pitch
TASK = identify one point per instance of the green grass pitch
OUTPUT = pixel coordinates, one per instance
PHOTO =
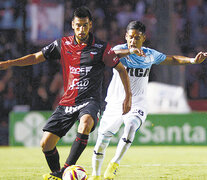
(139, 163)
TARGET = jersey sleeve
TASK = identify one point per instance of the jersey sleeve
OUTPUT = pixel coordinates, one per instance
(158, 56)
(109, 57)
(119, 47)
(53, 50)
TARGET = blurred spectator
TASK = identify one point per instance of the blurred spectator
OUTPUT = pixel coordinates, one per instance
(68, 17)
(7, 15)
(197, 14)
(101, 33)
(41, 100)
(7, 99)
(150, 21)
(114, 34)
(126, 14)
(140, 9)
(56, 89)
(192, 83)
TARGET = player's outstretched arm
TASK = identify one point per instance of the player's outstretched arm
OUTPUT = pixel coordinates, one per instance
(23, 61)
(125, 80)
(182, 60)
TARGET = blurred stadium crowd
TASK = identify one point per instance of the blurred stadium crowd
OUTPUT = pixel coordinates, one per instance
(40, 86)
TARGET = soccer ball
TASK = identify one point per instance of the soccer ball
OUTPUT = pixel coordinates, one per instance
(75, 172)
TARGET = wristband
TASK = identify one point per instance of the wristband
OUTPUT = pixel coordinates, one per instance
(131, 50)
(192, 61)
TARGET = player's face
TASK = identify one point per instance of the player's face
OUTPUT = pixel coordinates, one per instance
(134, 38)
(81, 27)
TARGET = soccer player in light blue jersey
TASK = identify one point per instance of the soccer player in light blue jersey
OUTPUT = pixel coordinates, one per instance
(138, 68)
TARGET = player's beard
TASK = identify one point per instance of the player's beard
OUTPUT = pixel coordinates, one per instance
(83, 39)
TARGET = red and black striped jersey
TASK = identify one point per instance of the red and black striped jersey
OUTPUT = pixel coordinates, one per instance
(83, 67)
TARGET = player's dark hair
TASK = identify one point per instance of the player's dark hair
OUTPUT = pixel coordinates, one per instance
(136, 25)
(82, 12)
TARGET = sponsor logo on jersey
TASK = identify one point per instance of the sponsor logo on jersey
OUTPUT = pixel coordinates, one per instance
(138, 72)
(80, 70)
(74, 109)
(79, 84)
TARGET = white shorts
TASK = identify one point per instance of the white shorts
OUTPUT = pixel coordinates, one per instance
(112, 118)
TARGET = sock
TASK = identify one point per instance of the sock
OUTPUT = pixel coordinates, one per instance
(121, 150)
(52, 158)
(77, 148)
(99, 152)
(131, 125)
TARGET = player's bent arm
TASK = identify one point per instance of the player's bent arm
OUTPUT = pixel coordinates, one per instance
(124, 52)
(183, 60)
(23, 61)
(126, 83)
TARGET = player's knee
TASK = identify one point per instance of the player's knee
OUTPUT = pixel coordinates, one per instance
(101, 145)
(133, 124)
(130, 129)
(86, 125)
(46, 146)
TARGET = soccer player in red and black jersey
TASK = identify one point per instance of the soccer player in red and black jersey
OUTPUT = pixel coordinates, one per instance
(83, 58)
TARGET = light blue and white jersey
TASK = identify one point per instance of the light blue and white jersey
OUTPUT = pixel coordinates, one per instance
(138, 68)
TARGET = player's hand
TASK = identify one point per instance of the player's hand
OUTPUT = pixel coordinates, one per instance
(137, 51)
(127, 104)
(200, 57)
(4, 65)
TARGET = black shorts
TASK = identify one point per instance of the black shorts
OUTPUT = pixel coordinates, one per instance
(64, 117)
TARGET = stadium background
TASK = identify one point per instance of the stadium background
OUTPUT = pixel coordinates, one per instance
(173, 27)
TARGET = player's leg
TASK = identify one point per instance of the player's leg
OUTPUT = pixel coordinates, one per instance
(132, 123)
(80, 143)
(48, 144)
(51, 136)
(57, 126)
(99, 153)
(88, 121)
(109, 125)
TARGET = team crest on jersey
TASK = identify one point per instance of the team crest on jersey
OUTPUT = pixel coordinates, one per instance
(67, 42)
(149, 59)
